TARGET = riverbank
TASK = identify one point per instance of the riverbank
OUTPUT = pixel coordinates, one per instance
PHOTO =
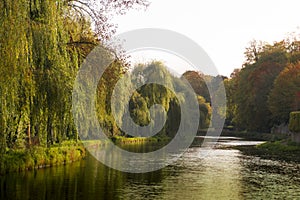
(69, 151)
(276, 150)
(40, 157)
(276, 146)
(255, 135)
(138, 140)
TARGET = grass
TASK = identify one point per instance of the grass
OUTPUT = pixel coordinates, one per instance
(39, 157)
(282, 146)
(276, 150)
(277, 146)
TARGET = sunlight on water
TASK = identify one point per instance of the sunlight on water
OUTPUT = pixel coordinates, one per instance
(201, 173)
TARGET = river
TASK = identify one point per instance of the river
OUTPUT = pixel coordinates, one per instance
(201, 173)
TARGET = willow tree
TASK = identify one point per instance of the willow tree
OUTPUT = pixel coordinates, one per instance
(43, 43)
(152, 94)
(16, 84)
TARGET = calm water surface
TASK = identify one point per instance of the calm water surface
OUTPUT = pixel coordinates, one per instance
(201, 173)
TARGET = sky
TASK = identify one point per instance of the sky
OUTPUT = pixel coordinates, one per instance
(222, 28)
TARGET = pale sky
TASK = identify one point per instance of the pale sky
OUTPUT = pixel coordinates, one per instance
(223, 28)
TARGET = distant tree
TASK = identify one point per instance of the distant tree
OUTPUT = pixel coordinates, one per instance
(253, 52)
(235, 73)
(198, 82)
(255, 82)
(230, 87)
(293, 47)
(151, 94)
(285, 96)
(205, 113)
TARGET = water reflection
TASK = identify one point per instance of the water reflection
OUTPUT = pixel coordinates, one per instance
(202, 173)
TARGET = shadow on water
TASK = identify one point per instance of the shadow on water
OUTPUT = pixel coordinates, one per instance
(201, 173)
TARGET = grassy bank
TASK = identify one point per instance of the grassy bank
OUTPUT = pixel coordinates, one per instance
(40, 157)
(277, 146)
(283, 150)
(59, 154)
(276, 150)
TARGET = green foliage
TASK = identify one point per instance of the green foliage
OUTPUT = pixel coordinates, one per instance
(38, 103)
(230, 87)
(205, 113)
(38, 157)
(143, 98)
(43, 43)
(150, 94)
(104, 95)
(279, 147)
(294, 123)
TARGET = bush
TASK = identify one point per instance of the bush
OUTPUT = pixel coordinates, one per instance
(294, 124)
(55, 156)
(39, 156)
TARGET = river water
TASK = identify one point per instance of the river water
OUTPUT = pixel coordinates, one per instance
(201, 173)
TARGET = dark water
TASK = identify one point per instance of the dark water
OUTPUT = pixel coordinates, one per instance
(201, 173)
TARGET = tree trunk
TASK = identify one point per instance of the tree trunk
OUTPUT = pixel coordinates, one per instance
(49, 133)
(28, 134)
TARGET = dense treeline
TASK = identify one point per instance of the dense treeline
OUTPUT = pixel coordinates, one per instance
(146, 96)
(262, 94)
(207, 88)
(42, 44)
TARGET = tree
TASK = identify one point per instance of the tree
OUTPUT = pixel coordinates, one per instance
(230, 87)
(253, 52)
(198, 82)
(205, 113)
(158, 94)
(101, 12)
(285, 96)
(293, 47)
(43, 43)
(254, 84)
(294, 122)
